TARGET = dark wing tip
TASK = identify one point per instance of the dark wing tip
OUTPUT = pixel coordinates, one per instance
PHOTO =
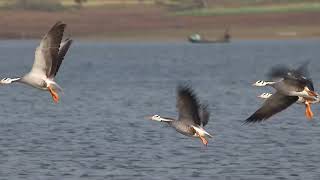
(68, 42)
(303, 68)
(68, 39)
(278, 71)
(204, 113)
(187, 103)
(254, 118)
(186, 90)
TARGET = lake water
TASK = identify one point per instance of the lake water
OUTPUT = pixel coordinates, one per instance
(98, 130)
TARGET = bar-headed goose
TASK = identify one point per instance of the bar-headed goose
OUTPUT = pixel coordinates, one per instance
(48, 58)
(290, 85)
(192, 116)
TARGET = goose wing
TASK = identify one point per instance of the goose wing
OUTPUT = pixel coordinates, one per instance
(187, 105)
(45, 62)
(292, 79)
(204, 114)
(304, 72)
(64, 47)
(278, 72)
(276, 103)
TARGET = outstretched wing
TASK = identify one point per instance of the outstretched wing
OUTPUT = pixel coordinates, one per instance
(187, 105)
(294, 78)
(278, 72)
(276, 103)
(64, 47)
(46, 54)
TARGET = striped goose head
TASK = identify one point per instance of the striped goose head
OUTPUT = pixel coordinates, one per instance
(261, 83)
(264, 95)
(8, 80)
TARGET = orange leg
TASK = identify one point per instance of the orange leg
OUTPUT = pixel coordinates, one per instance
(308, 113)
(54, 95)
(204, 141)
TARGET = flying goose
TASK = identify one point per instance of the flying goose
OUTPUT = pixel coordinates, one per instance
(301, 100)
(290, 85)
(291, 82)
(48, 58)
(192, 116)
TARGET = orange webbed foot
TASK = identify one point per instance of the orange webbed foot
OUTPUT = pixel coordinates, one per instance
(55, 95)
(204, 140)
(308, 113)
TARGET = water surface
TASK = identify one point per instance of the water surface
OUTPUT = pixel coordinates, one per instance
(97, 131)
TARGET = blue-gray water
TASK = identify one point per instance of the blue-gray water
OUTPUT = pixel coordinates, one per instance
(98, 130)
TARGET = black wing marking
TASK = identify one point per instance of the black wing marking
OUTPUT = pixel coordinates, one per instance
(62, 52)
(51, 42)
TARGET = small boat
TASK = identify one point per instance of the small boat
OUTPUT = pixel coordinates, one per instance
(196, 38)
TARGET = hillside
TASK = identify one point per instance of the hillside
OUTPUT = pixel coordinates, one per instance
(149, 22)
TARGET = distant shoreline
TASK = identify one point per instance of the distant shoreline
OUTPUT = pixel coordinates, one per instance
(155, 24)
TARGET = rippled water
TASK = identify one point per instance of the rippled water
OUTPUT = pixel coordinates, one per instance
(97, 131)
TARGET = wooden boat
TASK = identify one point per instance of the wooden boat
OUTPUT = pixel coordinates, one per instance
(196, 38)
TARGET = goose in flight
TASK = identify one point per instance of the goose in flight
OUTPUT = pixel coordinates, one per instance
(291, 82)
(301, 100)
(192, 116)
(48, 58)
(290, 85)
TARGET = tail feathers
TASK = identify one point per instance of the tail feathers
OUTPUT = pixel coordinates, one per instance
(202, 132)
(56, 86)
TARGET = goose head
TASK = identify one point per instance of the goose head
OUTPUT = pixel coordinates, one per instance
(264, 95)
(260, 83)
(159, 118)
(8, 80)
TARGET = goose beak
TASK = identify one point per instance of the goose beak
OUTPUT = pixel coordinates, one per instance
(54, 94)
